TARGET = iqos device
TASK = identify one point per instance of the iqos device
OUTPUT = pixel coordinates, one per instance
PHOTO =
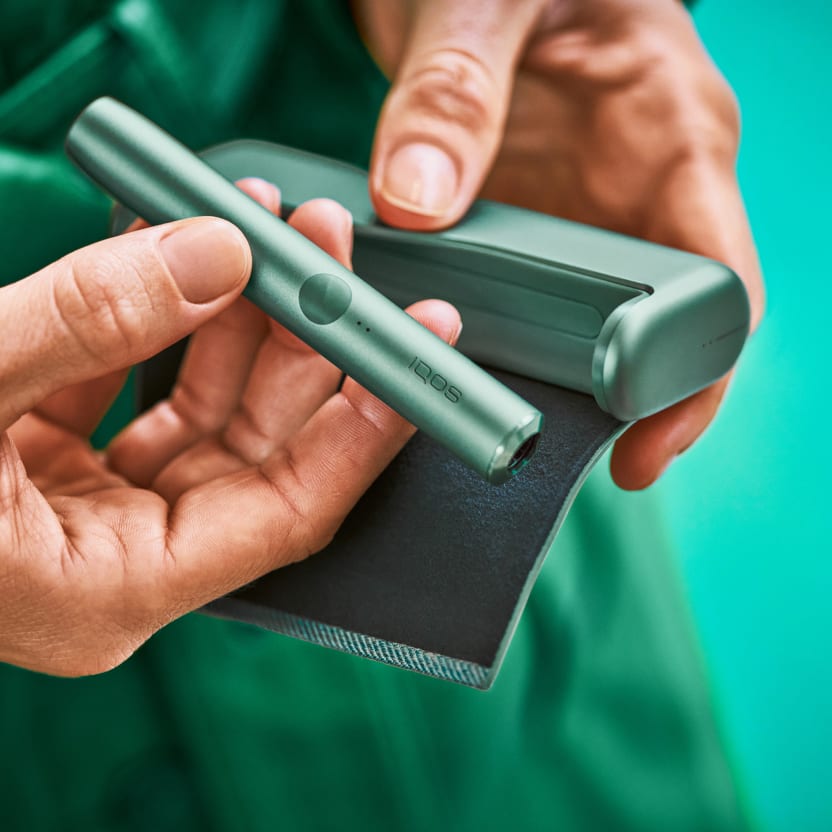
(437, 388)
(636, 325)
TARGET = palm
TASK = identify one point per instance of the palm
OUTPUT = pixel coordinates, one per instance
(78, 527)
(95, 520)
(252, 463)
(87, 520)
(208, 430)
(227, 421)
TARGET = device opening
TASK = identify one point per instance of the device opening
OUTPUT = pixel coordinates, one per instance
(523, 454)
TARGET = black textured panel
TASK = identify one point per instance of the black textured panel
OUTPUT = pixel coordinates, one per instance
(432, 557)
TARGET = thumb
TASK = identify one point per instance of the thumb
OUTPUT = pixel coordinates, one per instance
(113, 304)
(442, 123)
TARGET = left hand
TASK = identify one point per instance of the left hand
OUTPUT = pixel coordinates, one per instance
(252, 463)
(606, 112)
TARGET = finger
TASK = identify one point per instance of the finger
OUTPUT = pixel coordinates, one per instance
(58, 463)
(267, 194)
(209, 385)
(327, 224)
(645, 451)
(240, 353)
(207, 390)
(113, 304)
(230, 531)
(699, 209)
(212, 459)
(80, 408)
(443, 119)
(289, 380)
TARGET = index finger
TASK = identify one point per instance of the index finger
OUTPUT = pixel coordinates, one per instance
(698, 208)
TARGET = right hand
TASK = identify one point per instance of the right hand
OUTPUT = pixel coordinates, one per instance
(226, 480)
(606, 112)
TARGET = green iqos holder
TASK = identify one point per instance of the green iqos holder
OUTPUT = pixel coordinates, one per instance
(637, 325)
(434, 386)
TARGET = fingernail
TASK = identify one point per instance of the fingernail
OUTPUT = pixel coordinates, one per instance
(207, 258)
(265, 192)
(421, 178)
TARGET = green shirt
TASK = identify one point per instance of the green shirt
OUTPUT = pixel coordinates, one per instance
(601, 717)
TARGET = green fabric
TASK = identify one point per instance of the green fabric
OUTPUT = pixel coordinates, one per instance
(600, 718)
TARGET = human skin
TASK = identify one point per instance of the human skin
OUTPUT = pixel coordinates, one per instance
(606, 112)
(226, 480)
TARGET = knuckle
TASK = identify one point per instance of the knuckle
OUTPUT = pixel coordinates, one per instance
(455, 86)
(712, 130)
(102, 302)
(726, 109)
(692, 97)
(247, 437)
(301, 535)
(193, 404)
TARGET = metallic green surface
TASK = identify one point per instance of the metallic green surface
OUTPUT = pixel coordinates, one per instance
(434, 386)
(539, 295)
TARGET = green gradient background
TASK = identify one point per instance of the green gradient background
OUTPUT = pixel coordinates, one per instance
(749, 506)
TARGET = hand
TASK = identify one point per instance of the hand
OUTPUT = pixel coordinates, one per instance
(607, 112)
(251, 464)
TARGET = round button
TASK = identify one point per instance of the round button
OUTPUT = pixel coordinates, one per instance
(324, 298)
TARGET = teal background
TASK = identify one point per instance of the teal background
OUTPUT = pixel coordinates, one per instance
(750, 504)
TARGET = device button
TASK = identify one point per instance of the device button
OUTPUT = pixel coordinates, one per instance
(324, 298)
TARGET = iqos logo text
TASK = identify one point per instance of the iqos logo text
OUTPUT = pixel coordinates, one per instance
(438, 382)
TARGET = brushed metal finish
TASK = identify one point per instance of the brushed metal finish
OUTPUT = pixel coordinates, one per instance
(434, 386)
(639, 325)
